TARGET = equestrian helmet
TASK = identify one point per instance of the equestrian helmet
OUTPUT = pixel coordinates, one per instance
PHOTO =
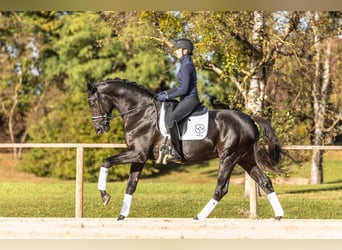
(184, 43)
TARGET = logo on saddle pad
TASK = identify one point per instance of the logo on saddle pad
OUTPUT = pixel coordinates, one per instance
(200, 129)
(194, 127)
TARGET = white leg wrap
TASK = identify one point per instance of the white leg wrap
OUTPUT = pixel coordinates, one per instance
(207, 209)
(101, 185)
(126, 206)
(278, 210)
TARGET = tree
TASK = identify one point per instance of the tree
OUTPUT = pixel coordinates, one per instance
(22, 89)
(84, 52)
(321, 87)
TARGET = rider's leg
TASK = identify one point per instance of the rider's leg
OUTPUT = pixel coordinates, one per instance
(183, 109)
(175, 142)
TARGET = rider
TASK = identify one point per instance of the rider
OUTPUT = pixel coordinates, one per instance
(186, 91)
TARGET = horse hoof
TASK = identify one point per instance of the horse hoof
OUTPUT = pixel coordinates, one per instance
(121, 217)
(105, 198)
(196, 218)
(278, 218)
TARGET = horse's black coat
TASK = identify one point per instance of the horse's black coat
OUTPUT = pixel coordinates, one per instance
(233, 136)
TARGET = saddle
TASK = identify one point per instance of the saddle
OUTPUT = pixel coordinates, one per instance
(192, 127)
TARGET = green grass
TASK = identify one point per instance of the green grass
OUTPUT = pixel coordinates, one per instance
(166, 200)
(180, 194)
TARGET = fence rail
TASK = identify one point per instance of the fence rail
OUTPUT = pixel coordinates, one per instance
(80, 165)
(61, 145)
(311, 147)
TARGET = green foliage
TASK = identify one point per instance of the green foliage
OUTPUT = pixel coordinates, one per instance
(73, 48)
(147, 68)
(170, 24)
(20, 82)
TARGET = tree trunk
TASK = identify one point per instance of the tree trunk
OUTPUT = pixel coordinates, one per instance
(316, 167)
(257, 83)
(320, 96)
(255, 93)
(11, 114)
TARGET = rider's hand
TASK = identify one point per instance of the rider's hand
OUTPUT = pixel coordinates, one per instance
(162, 96)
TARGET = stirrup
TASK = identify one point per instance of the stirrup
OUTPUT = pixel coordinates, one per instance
(164, 150)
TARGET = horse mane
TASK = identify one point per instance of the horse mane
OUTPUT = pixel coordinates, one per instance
(134, 85)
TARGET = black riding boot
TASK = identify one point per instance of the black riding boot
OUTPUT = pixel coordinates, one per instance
(175, 143)
(171, 150)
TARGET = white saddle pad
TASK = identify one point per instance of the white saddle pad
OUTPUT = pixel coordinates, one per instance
(197, 126)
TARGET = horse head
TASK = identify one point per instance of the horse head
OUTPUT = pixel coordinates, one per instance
(101, 109)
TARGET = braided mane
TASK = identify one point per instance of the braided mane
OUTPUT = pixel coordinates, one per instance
(128, 84)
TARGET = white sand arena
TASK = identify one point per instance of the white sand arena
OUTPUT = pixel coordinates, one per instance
(164, 228)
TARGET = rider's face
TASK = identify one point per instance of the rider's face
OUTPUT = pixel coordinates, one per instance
(179, 53)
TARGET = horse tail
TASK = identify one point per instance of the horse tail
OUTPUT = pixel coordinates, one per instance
(267, 149)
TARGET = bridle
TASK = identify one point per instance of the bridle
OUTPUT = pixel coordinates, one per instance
(107, 116)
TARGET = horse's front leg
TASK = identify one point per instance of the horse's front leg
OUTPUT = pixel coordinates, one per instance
(135, 172)
(125, 157)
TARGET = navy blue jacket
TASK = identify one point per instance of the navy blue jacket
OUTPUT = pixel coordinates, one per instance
(187, 80)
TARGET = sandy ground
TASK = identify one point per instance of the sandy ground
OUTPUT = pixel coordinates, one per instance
(164, 228)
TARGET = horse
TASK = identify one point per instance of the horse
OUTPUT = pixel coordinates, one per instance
(233, 136)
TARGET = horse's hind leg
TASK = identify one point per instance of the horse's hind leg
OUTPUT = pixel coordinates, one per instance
(225, 171)
(266, 184)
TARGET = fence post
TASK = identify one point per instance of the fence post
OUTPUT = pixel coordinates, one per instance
(79, 182)
(253, 199)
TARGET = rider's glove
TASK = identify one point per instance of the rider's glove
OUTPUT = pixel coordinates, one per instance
(162, 96)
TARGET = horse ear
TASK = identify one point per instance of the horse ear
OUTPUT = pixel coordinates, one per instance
(91, 89)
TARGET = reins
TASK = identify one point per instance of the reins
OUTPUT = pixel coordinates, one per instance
(132, 110)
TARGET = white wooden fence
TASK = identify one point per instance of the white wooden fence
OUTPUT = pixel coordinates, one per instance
(80, 166)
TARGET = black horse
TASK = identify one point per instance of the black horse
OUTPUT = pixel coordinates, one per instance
(234, 137)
